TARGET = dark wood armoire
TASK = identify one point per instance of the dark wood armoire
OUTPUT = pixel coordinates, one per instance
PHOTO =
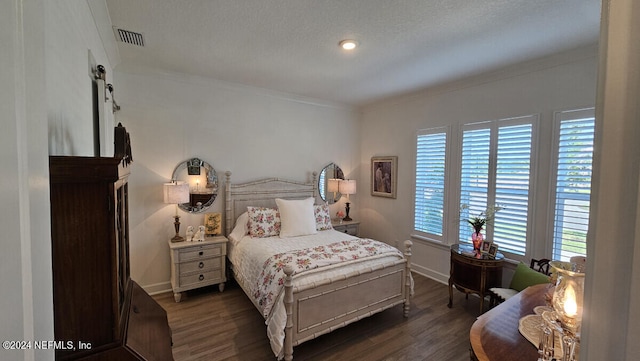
(97, 307)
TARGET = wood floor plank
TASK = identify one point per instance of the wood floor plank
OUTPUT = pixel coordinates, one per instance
(209, 325)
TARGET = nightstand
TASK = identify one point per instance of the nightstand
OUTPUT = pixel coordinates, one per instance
(198, 264)
(349, 227)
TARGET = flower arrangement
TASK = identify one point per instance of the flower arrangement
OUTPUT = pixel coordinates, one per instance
(485, 217)
(340, 214)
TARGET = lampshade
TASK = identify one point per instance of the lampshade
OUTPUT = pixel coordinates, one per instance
(176, 193)
(348, 186)
(332, 185)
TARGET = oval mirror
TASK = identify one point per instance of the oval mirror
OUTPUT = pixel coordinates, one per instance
(203, 184)
(328, 184)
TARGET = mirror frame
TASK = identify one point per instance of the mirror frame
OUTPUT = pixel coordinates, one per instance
(195, 166)
(330, 171)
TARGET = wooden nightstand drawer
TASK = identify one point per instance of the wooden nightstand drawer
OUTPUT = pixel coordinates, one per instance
(201, 265)
(199, 252)
(210, 277)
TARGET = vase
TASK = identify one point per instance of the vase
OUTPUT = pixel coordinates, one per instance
(476, 238)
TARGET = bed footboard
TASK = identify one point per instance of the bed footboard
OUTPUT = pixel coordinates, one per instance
(323, 307)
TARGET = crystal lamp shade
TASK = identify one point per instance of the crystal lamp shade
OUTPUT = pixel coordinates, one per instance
(568, 295)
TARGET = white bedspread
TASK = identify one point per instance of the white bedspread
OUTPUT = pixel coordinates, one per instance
(248, 256)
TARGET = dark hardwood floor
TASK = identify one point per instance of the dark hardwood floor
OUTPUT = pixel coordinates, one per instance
(209, 325)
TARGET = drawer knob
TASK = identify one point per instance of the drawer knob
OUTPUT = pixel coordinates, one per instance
(201, 277)
(201, 264)
(200, 253)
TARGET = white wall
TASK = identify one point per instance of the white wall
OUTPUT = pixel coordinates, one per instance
(611, 321)
(72, 34)
(44, 69)
(251, 132)
(19, 312)
(562, 82)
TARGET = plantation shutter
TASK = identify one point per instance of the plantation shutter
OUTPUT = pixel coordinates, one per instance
(575, 131)
(513, 169)
(430, 182)
(496, 171)
(474, 177)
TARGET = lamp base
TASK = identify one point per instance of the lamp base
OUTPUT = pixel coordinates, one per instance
(177, 238)
(347, 208)
(176, 225)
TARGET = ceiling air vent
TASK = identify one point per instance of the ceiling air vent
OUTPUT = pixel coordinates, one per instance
(129, 37)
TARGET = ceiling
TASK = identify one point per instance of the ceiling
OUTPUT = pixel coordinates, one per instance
(292, 45)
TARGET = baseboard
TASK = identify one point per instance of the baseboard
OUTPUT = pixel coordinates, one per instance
(429, 273)
(157, 288)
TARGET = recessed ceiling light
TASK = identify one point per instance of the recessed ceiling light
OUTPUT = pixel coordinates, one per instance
(348, 44)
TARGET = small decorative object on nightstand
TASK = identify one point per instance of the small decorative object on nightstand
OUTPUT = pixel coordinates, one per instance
(199, 236)
(198, 264)
(213, 224)
(349, 227)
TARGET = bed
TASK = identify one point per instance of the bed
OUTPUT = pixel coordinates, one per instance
(302, 300)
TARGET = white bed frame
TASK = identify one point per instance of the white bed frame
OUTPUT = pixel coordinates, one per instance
(324, 306)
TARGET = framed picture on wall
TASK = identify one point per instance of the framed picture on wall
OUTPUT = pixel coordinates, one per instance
(384, 176)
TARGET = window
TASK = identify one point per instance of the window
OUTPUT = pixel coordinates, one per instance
(496, 170)
(430, 182)
(575, 132)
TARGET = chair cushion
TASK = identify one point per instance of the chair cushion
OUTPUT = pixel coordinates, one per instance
(504, 293)
(525, 277)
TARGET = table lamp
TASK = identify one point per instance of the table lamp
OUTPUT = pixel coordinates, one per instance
(332, 187)
(566, 317)
(347, 186)
(176, 193)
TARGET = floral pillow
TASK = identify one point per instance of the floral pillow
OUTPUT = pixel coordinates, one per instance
(263, 222)
(323, 217)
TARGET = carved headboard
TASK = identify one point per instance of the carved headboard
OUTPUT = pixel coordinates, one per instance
(262, 193)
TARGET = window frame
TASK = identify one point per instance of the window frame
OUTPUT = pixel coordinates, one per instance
(494, 126)
(446, 219)
(573, 114)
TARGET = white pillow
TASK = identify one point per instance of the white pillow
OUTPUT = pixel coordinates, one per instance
(240, 229)
(297, 217)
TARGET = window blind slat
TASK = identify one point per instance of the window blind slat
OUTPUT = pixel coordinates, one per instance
(573, 184)
(510, 189)
(430, 182)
